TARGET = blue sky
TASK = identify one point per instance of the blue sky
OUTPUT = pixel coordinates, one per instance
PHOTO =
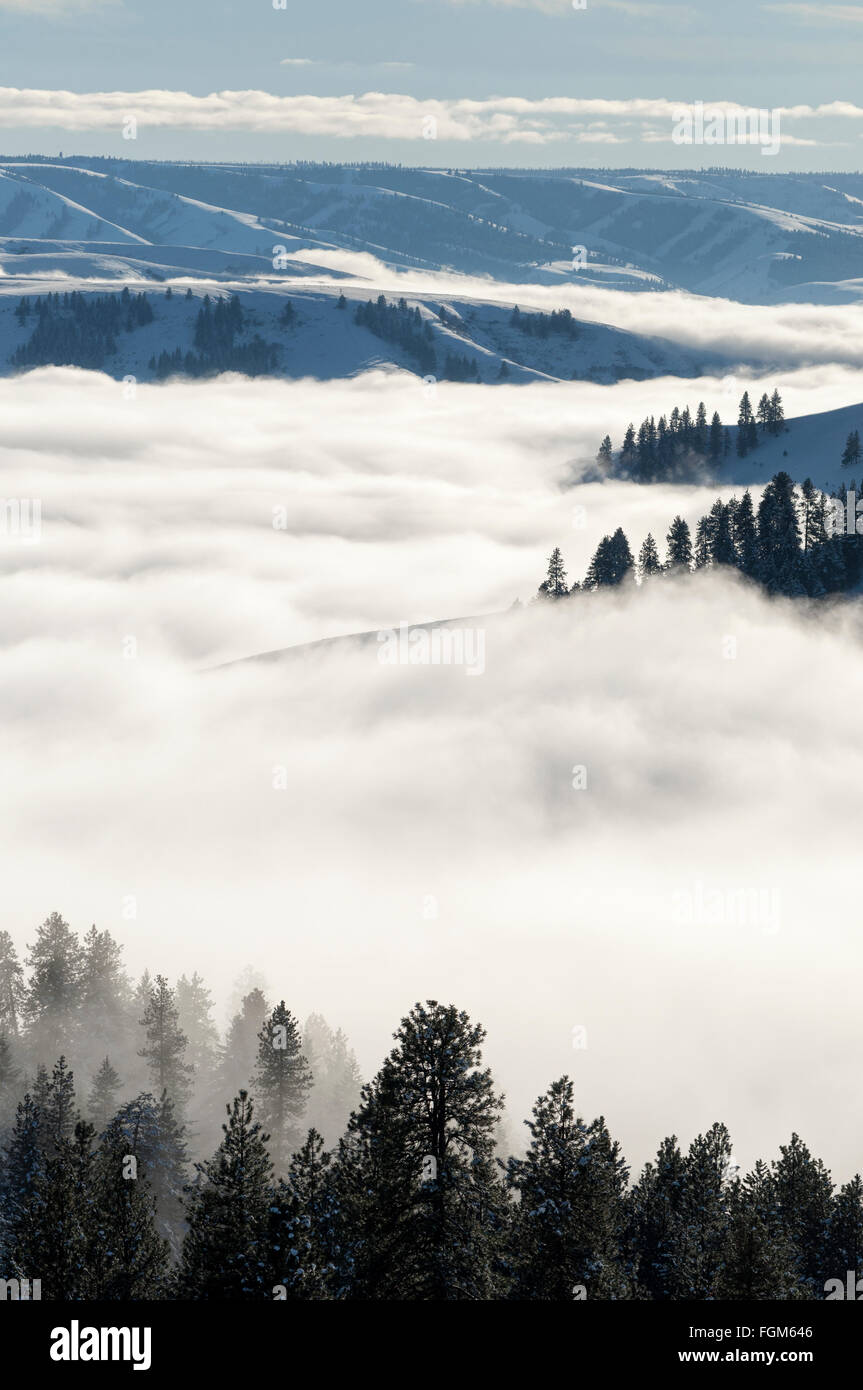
(440, 54)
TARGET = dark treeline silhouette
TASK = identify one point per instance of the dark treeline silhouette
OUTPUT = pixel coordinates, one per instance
(217, 328)
(396, 323)
(791, 544)
(540, 325)
(679, 447)
(408, 1198)
(75, 329)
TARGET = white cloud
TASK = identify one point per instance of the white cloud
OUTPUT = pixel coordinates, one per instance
(556, 907)
(820, 14)
(374, 114)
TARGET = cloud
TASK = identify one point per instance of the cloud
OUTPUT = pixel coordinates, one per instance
(297, 62)
(53, 7)
(430, 841)
(381, 115)
(819, 15)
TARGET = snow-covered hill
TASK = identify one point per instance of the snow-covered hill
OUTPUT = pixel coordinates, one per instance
(755, 237)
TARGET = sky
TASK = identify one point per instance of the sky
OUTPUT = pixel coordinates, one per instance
(400, 80)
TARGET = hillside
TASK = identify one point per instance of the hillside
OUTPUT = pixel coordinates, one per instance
(757, 238)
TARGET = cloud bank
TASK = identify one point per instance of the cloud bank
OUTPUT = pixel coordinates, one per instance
(337, 821)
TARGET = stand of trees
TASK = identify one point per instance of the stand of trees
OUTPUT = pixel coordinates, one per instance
(680, 446)
(410, 1199)
(396, 323)
(75, 329)
(217, 328)
(789, 544)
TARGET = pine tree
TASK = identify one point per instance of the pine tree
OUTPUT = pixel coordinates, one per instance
(336, 1077)
(747, 429)
(102, 1100)
(655, 1218)
(804, 1198)
(422, 1211)
(745, 534)
(568, 1230)
(12, 992)
(679, 545)
(154, 1136)
(715, 442)
(555, 585)
(127, 1259)
(778, 535)
(649, 562)
(843, 1240)
(165, 1046)
(52, 996)
(304, 1220)
(104, 993)
(239, 1054)
(10, 1076)
(225, 1252)
(281, 1084)
(50, 1238)
(604, 457)
(851, 454)
(759, 1261)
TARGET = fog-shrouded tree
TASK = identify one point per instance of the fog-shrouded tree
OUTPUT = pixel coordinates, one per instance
(53, 989)
(153, 1135)
(336, 1079)
(240, 1051)
(281, 1083)
(102, 1099)
(12, 991)
(649, 562)
(679, 542)
(554, 584)
(226, 1252)
(165, 1045)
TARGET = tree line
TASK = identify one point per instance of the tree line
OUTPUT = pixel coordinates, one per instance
(679, 446)
(789, 544)
(416, 1197)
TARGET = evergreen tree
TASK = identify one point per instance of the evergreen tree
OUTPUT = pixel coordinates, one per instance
(555, 585)
(304, 1223)
(239, 1054)
(649, 562)
(679, 544)
(225, 1252)
(153, 1135)
(127, 1259)
(165, 1047)
(804, 1199)
(715, 441)
(102, 1100)
(759, 1262)
(52, 995)
(851, 453)
(746, 536)
(422, 1213)
(281, 1083)
(12, 992)
(569, 1225)
(604, 456)
(747, 429)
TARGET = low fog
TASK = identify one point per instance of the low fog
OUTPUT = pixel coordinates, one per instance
(369, 835)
